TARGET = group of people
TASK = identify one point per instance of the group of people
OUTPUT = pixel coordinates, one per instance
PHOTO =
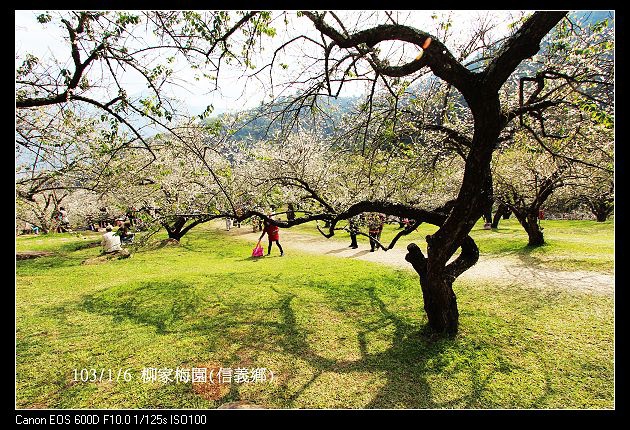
(374, 222)
(95, 222)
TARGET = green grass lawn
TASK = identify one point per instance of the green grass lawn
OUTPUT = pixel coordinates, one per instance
(570, 245)
(336, 333)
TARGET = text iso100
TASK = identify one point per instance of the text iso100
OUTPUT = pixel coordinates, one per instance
(188, 419)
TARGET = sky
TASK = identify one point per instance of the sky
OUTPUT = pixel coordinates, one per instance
(46, 42)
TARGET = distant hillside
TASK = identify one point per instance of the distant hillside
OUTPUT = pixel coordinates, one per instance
(261, 121)
(259, 127)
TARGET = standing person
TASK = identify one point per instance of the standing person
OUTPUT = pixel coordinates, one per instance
(131, 215)
(353, 227)
(228, 223)
(103, 217)
(273, 233)
(290, 212)
(239, 211)
(62, 218)
(375, 225)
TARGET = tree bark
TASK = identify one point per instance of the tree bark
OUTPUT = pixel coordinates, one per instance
(534, 233)
(175, 235)
(502, 212)
(440, 303)
(529, 221)
(179, 228)
(175, 231)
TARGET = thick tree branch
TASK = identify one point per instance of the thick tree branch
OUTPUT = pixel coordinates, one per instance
(523, 44)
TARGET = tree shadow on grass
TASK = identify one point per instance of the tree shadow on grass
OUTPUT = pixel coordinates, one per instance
(408, 368)
(414, 356)
(158, 304)
(541, 271)
(47, 263)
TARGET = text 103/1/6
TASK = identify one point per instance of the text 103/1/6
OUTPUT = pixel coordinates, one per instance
(100, 375)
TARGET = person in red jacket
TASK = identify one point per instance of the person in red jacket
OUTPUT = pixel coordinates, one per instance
(273, 233)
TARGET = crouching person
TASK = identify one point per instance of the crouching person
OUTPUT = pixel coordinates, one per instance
(111, 244)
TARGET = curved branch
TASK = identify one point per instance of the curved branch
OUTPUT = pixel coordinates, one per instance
(78, 72)
(534, 107)
(304, 185)
(403, 232)
(418, 261)
(228, 33)
(437, 56)
(452, 134)
(466, 259)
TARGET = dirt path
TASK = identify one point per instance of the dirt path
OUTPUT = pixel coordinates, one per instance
(488, 267)
(25, 255)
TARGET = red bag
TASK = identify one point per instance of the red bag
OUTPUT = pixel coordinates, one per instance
(258, 250)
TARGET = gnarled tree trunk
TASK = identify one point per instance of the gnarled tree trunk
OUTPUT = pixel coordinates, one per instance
(473, 200)
(602, 215)
(440, 302)
(601, 210)
(529, 221)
